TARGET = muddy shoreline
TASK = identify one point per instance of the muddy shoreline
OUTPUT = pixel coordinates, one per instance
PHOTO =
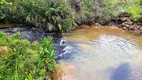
(134, 28)
(123, 21)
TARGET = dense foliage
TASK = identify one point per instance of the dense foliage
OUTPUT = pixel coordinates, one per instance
(91, 12)
(115, 7)
(45, 14)
(21, 60)
(4, 5)
(63, 15)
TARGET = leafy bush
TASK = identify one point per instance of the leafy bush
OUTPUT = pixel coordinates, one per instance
(57, 15)
(91, 12)
(62, 15)
(4, 5)
(45, 14)
(25, 61)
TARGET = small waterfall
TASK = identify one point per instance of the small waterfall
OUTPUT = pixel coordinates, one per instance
(66, 51)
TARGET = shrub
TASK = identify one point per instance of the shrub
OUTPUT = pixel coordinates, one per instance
(26, 61)
(62, 15)
(56, 15)
(4, 5)
(91, 12)
(46, 14)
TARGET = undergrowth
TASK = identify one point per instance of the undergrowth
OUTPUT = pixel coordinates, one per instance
(63, 16)
(51, 15)
(115, 7)
(22, 60)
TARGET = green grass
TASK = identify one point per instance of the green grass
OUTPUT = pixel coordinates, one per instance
(114, 8)
(22, 60)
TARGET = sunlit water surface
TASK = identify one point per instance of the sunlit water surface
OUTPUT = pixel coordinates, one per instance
(101, 54)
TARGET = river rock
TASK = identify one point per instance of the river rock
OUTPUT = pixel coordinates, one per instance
(127, 23)
(97, 24)
(140, 28)
(132, 28)
(33, 34)
(124, 28)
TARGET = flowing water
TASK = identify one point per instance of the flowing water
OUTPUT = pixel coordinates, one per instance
(92, 53)
(100, 54)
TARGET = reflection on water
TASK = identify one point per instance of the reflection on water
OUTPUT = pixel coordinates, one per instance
(101, 54)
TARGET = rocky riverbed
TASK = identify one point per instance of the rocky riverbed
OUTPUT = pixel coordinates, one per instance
(33, 34)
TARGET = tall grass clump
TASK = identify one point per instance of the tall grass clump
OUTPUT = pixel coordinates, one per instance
(21, 60)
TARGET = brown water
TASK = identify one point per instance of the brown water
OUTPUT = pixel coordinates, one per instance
(101, 54)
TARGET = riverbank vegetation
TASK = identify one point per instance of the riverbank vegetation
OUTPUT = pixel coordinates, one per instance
(22, 60)
(116, 7)
(65, 15)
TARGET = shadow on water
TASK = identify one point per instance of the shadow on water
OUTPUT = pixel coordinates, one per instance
(122, 72)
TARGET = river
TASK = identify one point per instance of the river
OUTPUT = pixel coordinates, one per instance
(94, 53)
